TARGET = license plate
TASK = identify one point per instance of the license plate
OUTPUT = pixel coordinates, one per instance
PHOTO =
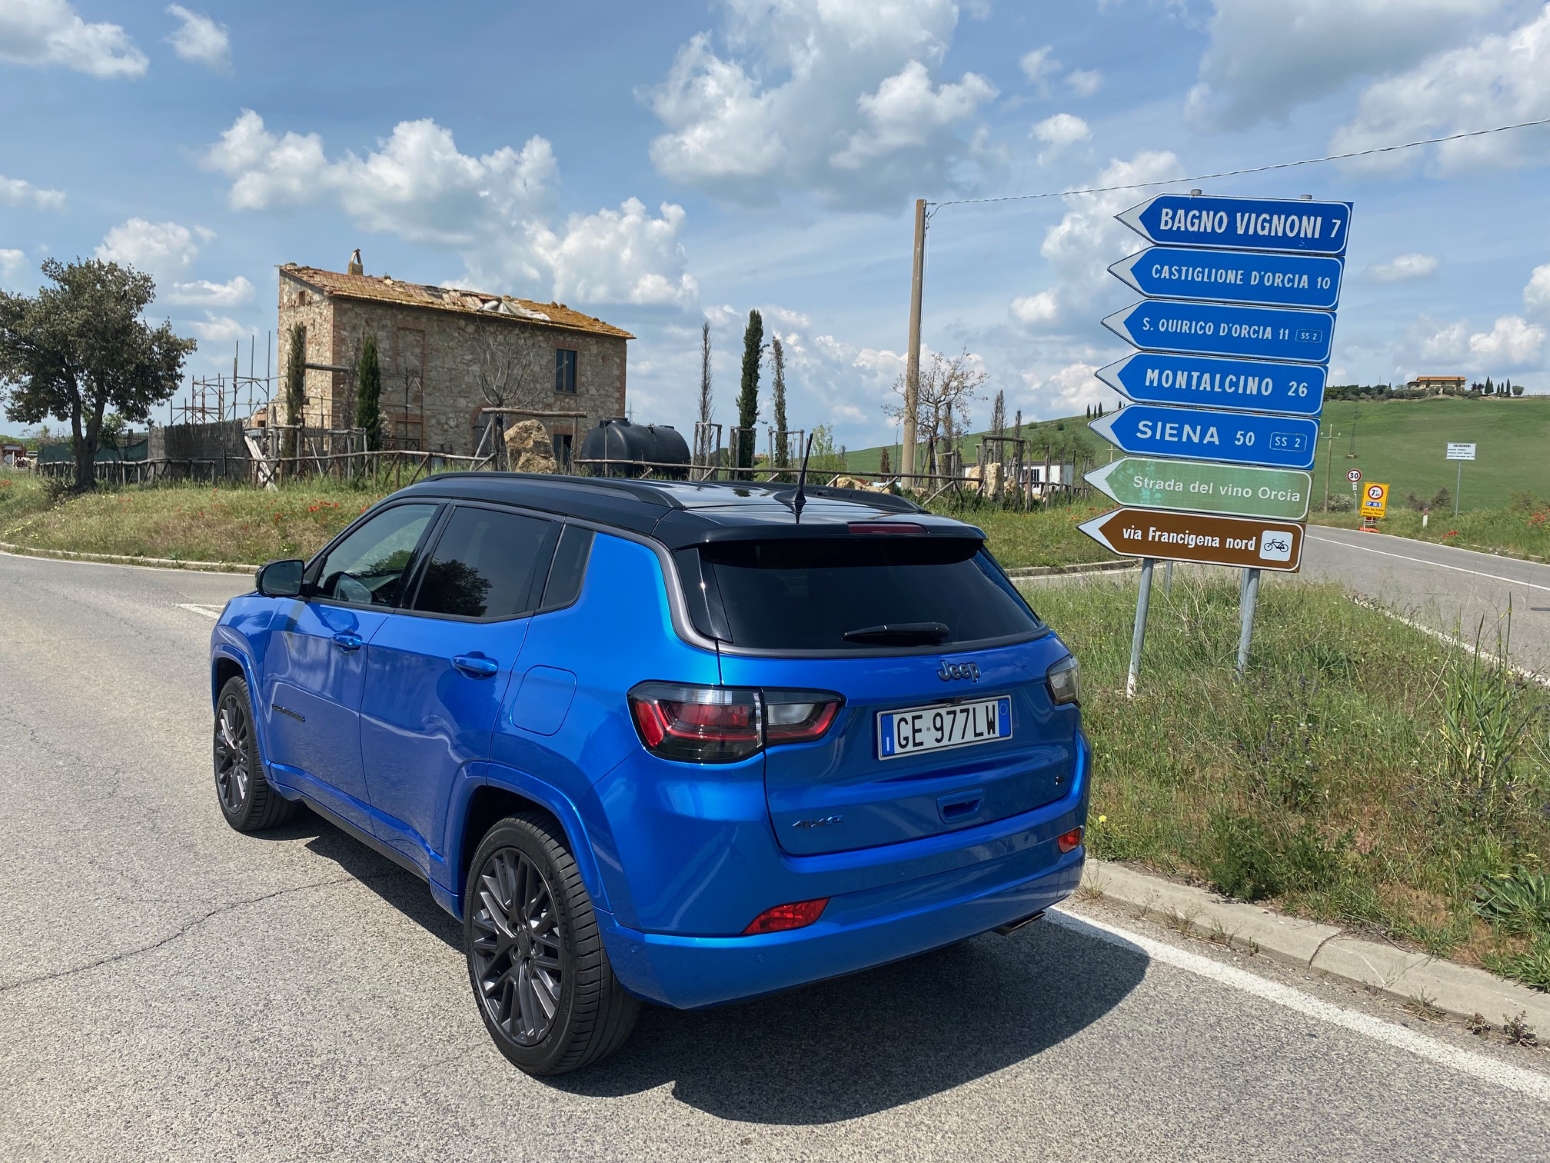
(943, 725)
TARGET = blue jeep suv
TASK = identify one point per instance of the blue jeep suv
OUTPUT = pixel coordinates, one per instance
(685, 743)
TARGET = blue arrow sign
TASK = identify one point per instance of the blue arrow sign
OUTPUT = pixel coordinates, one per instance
(1208, 434)
(1275, 280)
(1152, 377)
(1242, 223)
(1219, 329)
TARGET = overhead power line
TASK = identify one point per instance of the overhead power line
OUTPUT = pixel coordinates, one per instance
(933, 207)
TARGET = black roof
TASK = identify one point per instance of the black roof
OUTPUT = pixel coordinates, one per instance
(683, 513)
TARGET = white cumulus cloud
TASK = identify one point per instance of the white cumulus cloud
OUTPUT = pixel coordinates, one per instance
(1264, 60)
(1403, 267)
(1512, 341)
(15, 192)
(1063, 392)
(161, 249)
(1041, 68)
(199, 39)
(12, 264)
(494, 210)
(51, 32)
(832, 96)
(234, 292)
(1060, 131)
(1080, 247)
(1536, 295)
(1084, 82)
(215, 328)
(1497, 80)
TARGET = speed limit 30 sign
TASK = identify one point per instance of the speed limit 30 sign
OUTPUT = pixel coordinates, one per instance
(1354, 476)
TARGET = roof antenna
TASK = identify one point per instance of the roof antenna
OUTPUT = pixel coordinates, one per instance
(801, 498)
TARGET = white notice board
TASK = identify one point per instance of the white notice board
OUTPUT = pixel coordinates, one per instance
(1461, 452)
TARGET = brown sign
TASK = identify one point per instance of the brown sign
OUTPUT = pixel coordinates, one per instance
(1234, 541)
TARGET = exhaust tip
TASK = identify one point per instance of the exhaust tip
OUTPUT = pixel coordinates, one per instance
(1013, 926)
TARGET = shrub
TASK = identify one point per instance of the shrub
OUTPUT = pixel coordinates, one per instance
(1252, 858)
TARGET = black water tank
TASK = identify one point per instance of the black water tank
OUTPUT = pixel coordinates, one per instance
(634, 449)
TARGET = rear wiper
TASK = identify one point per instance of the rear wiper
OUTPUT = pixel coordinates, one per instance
(901, 634)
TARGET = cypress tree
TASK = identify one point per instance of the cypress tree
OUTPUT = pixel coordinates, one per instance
(368, 394)
(778, 358)
(295, 389)
(748, 396)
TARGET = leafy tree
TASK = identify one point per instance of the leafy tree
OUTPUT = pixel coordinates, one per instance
(778, 359)
(368, 394)
(704, 439)
(79, 348)
(1517, 389)
(748, 395)
(885, 465)
(295, 391)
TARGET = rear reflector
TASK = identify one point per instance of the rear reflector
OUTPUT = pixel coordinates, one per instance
(783, 917)
(1070, 841)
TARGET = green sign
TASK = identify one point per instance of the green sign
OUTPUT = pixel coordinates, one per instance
(1205, 487)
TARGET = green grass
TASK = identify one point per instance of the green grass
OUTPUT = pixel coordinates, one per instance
(1046, 536)
(1068, 437)
(1363, 773)
(242, 526)
(1401, 443)
(1517, 530)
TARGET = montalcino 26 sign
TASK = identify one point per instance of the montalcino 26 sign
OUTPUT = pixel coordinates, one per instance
(1261, 224)
(1222, 329)
(1208, 434)
(1208, 540)
(1152, 377)
(1272, 280)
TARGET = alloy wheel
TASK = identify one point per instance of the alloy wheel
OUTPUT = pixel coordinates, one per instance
(517, 955)
(232, 776)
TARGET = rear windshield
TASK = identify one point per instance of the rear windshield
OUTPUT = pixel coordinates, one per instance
(808, 595)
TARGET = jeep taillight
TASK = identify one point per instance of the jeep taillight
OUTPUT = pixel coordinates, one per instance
(713, 724)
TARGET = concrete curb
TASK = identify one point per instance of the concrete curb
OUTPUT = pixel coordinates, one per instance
(124, 559)
(1400, 974)
(1055, 570)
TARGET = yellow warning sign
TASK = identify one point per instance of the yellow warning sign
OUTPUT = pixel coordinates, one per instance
(1375, 501)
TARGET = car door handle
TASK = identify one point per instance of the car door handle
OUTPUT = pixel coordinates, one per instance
(476, 665)
(349, 641)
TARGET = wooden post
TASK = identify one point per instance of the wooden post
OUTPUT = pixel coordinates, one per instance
(912, 352)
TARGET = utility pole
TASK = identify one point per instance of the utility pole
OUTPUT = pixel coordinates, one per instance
(912, 354)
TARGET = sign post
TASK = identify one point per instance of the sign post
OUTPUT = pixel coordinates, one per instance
(1227, 388)
(1460, 453)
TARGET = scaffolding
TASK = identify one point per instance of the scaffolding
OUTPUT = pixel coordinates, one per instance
(212, 399)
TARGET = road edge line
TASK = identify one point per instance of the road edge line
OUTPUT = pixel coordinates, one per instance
(1397, 973)
(126, 559)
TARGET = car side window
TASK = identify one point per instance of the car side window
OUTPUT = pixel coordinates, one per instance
(367, 567)
(485, 564)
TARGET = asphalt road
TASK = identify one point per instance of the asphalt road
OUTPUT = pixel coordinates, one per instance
(170, 989)
(1446, 589)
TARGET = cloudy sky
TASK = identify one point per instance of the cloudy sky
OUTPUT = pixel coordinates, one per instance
(656, 164)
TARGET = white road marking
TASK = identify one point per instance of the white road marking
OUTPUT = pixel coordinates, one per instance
(1480, 1066)
(211, 612)
(1438, 564)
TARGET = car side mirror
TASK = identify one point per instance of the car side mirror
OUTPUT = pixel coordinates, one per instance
(281, 579)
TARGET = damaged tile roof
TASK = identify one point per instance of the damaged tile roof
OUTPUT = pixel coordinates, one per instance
(389, 290)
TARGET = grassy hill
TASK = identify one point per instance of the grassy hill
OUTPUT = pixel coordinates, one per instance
(1398, 442)
(1401, 443)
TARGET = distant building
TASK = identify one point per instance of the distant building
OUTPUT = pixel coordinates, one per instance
(12, 453)
(438, 347)
(1438, 385)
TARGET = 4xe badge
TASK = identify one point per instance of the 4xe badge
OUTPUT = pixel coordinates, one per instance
(955, 670)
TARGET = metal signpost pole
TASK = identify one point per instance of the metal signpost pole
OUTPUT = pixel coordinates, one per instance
(1138, 636)
(1246, 617)
(1458, 487)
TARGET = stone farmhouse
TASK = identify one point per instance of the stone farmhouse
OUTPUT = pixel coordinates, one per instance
(447, 353)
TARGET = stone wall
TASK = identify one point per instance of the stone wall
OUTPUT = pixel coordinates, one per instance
(432, 362)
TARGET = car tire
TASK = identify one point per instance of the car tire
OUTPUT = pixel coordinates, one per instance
(248, 800)
(540, 975)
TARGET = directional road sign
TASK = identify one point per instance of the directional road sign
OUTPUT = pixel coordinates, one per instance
(1234, 541)
(1220, 329)
(1208, 434)
(1242, 223)
(1275, 280)
(1154, 377)
(1146, 483)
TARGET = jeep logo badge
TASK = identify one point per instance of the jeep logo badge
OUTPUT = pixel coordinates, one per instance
(955, 670)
